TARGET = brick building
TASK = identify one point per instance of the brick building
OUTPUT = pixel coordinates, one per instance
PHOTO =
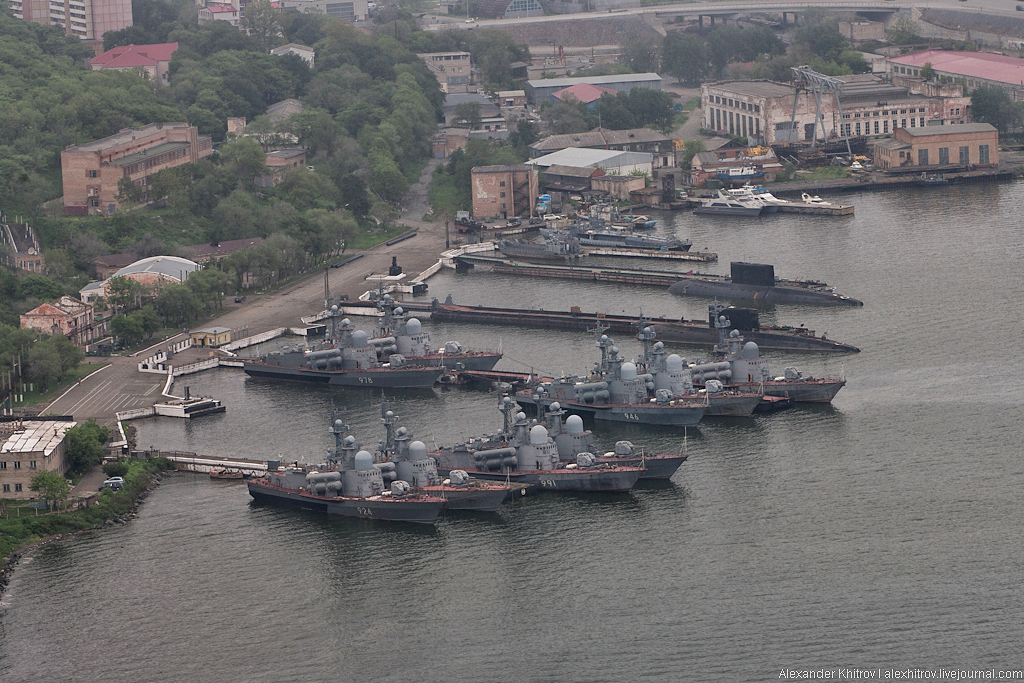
(937, 149)
(91, 171)
(153, 59)
(278, 162)
(86, 19)
(22, 247)
(28, 447)
(504, 191)
(453, 70)
(763, 110)
(68, 316)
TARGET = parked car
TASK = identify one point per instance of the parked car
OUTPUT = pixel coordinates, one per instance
(239, 299)
(114, 483)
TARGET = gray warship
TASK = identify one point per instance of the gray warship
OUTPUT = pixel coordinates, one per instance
(740, 366)
(524, 453)
(572, 439)
(396, 334)
(344, 358)
(617, 391)
(347, 484)
(556, 247)
(592, 233)
(414, 466)
(757, 282)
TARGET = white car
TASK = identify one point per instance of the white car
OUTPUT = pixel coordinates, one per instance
(113, 483)
(470, 21)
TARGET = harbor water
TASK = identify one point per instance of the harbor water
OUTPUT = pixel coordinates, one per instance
(879, 532)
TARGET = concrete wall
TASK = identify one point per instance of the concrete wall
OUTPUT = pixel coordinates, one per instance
(505, 194)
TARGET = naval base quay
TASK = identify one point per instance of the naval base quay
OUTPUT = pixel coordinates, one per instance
(853, 674)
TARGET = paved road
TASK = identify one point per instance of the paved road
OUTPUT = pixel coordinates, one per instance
(719, 7)
(120, 386)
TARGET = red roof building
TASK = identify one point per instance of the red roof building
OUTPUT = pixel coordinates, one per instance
(977, 68)
(154, 59)
(582, 92)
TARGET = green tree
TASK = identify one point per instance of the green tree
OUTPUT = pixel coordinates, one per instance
(903, 31)
(128, 192)
(352, 191)
(127, 328)
(685, 57)
(468, 114)
(39, 287)
(123, 292)
(823, 39)
(927, 72)
(208, 285)
(262, 21)
(85, 445)
(641, 53)
(178, 306)
(691, 149)
(993, 105)
(51, 486)
(245, 158)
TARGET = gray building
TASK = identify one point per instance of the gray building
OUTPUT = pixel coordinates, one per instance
(538, 91)
(657, 143)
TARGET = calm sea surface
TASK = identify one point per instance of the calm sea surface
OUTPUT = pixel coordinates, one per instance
(881, 531)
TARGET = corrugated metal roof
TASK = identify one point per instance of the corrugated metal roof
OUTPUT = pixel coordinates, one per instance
(594, 80)
(574, 156)
(37, 437)
(983, 65)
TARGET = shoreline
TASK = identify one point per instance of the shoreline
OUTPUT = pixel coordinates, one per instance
(14, 558)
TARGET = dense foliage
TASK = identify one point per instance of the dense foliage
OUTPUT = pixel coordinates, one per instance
(44, 359)
(84, 444)
(994, 105)
(17, 531)
(639, 108)
(370, 111)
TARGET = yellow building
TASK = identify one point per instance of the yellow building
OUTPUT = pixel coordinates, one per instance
(210, 336)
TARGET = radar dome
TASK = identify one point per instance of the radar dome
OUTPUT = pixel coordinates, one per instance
(346, 321)
(506, 400)
(538, 436)
(734, 334)
(520, 416)
(359, 339)
(401, 431)
(721, 318)
(334, 308)
(390, 413)
(349, 440)
(399, 311)
(417, 450)
(555, 406)
(413, 326)
(628, 372)
(648, 330)
(658, 346)
(574, 425)
(674, 363)
(364, 460)
(750, 351)
(615, 350)
(604, 337)
(338, 424)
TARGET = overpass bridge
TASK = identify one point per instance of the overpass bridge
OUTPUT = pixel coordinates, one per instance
(726, 8)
